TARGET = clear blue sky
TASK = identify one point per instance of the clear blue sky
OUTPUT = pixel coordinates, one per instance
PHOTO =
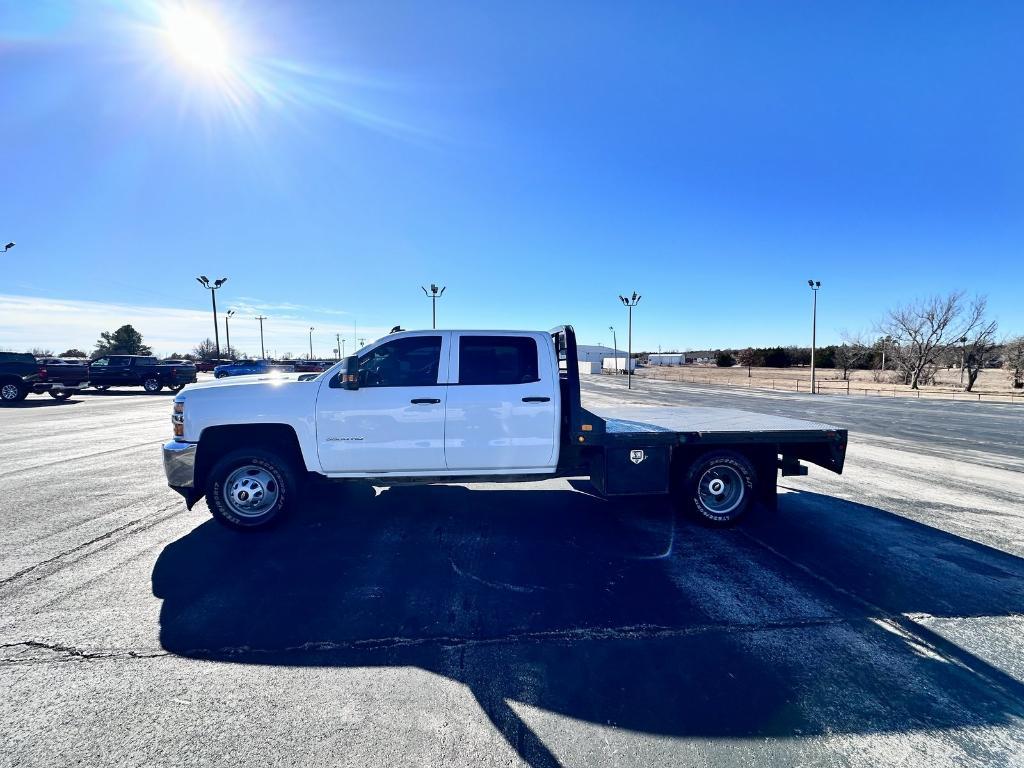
(538, 158)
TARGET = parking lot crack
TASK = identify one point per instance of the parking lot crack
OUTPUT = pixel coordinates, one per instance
(21, 652)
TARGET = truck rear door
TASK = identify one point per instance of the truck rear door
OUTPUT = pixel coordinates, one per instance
(502, 410)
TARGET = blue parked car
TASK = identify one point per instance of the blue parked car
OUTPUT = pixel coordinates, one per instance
(247, 367)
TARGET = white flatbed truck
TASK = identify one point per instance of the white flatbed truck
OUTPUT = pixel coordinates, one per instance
(470, 406)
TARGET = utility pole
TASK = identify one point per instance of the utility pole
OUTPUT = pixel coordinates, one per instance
(338, 350)
(263, 351)
(615, 343)
(204, 281)
(814, 285)
(311, 329)
(227, 329)
(362, 342)
(630, 302)
(433, 295)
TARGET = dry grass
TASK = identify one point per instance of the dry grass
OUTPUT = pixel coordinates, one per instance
(992, 385)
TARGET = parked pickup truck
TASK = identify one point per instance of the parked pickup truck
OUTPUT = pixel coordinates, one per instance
(250, 367)
(139, 371)
(22, 374)
(470, 406)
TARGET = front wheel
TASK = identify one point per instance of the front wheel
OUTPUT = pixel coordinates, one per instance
(251, 488)
(152, 385)
(718, 487)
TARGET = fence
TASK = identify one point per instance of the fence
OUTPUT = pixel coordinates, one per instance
(831, 387)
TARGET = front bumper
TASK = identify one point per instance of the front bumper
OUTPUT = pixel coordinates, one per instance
(180, 468)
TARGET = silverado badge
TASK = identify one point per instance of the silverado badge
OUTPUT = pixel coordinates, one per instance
(636, 456)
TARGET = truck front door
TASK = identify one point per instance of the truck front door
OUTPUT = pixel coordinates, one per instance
(502, 413)
(394, 422)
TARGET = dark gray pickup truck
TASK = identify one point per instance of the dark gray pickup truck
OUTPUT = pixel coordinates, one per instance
(140, 371)
(23, 374)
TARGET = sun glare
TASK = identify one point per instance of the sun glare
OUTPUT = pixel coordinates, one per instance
(196, 40)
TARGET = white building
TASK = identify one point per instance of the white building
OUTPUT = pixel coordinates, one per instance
(666, 358)
(596, 353)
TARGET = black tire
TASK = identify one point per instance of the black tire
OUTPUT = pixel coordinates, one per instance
(718, 488)
(175, 388)
(60, 394)
(263, 469)
(13, 391)
(101, 387)
(152, 385)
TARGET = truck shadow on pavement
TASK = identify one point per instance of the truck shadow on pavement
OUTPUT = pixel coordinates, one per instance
(613, 614)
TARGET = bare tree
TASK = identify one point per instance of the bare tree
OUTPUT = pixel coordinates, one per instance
(851, 353)
(205, 350)
(748, 358)
(1013, 352)
(922, 332)
(980, 347)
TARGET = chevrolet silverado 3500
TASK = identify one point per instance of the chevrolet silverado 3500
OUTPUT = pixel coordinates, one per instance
(470, 406)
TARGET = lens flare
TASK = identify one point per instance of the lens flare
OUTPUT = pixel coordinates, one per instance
(196, 39)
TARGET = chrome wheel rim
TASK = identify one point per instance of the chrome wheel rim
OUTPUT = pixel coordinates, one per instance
(721, 489)
(250, 491)
(9, 392)
(150, 385)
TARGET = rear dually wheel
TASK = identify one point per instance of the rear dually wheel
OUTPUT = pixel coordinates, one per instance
(718, 487)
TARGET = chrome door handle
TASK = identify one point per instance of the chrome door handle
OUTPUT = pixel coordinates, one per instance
(425, 401)
(536, 399)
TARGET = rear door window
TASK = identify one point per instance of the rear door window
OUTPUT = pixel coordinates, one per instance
(487, 360)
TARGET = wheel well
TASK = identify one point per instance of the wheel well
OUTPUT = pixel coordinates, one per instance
(214, 442)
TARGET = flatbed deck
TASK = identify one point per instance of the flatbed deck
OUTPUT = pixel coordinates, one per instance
(702, 421)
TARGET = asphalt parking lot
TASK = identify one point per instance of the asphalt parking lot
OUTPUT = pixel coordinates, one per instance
(875, 619)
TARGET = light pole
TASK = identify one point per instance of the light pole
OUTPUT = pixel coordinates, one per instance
(204, 281)
(340, 349)
(814, 285)
(263, 352)
(963, 358)
(433, 295)
(227, 329)
(311, 329)
(630, 302)
(615, 344)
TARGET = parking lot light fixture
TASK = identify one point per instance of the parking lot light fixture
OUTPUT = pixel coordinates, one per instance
(434, 295)
(8, 246)
(629, 302)
(204, 281)
(814, 286)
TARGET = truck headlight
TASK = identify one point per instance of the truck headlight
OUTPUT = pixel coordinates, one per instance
(178, 419)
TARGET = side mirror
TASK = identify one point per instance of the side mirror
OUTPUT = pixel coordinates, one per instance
(348, 376)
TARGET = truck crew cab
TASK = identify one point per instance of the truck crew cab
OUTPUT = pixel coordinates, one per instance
(465, 406)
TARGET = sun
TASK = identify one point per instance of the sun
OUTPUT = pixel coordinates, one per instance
(196, 40)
